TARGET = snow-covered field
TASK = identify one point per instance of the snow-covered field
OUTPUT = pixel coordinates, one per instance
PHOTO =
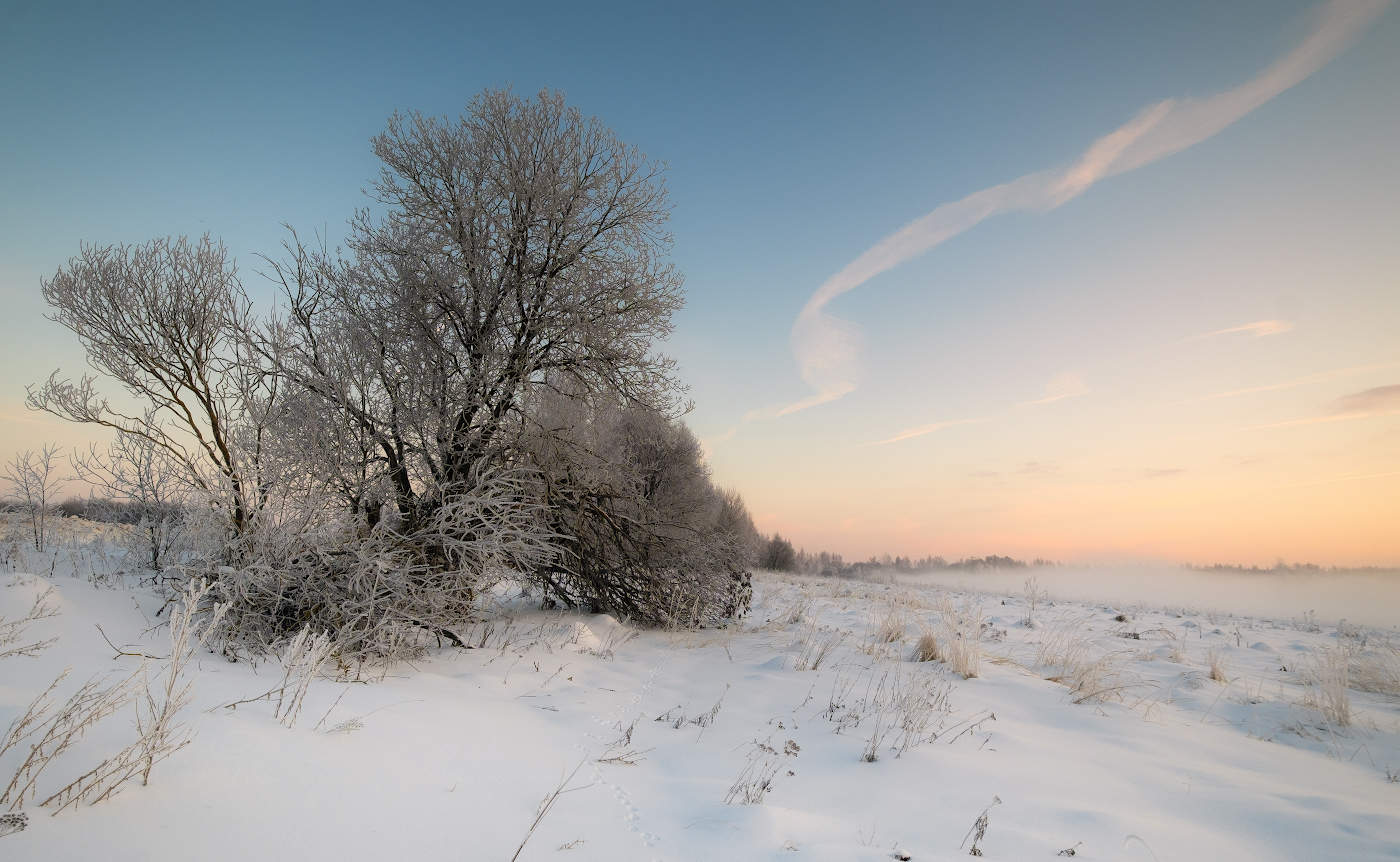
(1097, 727)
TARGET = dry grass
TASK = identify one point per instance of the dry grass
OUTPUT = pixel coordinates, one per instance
(1068, 655)
(1097, 681)
(301, 662)
(56, 729)
(979, 829)
(545, 805)
(1330, 681)
(1035, 596)
(159, 734)
(620, 751)
(51, 730)
(890, 628)
(1215, 658)
(902, 709)
(919, 707)
(817, 646)
(1375, 669)
(926, 649)
(961, 630)
(964, 656)
(1064, 645)
(796, 613)
(13, 631)
(760, 769)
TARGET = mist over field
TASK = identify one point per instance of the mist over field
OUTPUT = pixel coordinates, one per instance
(1371, 599)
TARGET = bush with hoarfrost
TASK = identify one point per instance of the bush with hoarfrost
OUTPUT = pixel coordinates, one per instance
(383, 594)
(644, 534)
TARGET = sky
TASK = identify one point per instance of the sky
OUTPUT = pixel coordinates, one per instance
(1092, 281)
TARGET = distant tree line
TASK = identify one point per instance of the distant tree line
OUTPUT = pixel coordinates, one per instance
(1282, 567)
(778, 554)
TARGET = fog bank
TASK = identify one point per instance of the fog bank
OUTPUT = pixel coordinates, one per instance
(1367, 598)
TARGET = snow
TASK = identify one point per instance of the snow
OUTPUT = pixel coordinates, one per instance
(450, 758)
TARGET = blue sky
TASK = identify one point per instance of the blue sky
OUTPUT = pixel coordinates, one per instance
(798, 135)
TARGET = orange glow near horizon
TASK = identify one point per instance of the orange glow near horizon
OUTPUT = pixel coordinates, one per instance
(1092, 478)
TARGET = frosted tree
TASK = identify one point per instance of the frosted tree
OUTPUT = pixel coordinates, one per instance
(165, 320)
(33, 479)
(151, 488)
(518, 243)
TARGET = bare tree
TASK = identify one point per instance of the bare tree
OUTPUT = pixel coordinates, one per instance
(166, 319)
(140, 475)
(33, 478)
(520, 244)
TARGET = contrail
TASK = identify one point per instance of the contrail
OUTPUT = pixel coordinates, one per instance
(911, 433)
(827, 348)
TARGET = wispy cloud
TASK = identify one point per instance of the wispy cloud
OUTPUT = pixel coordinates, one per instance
(1350, 477)
(1258, 329)
(1317, 420)
(1377, 399)
(911, 433)
(1319, 377)
(1370, 403)
(827, 348)
(1163, 473)
(1059, 388)
(1326, 419)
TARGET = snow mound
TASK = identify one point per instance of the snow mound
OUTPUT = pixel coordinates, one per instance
(595, 634)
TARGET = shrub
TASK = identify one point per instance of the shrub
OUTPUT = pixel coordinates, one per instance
(644, 533)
